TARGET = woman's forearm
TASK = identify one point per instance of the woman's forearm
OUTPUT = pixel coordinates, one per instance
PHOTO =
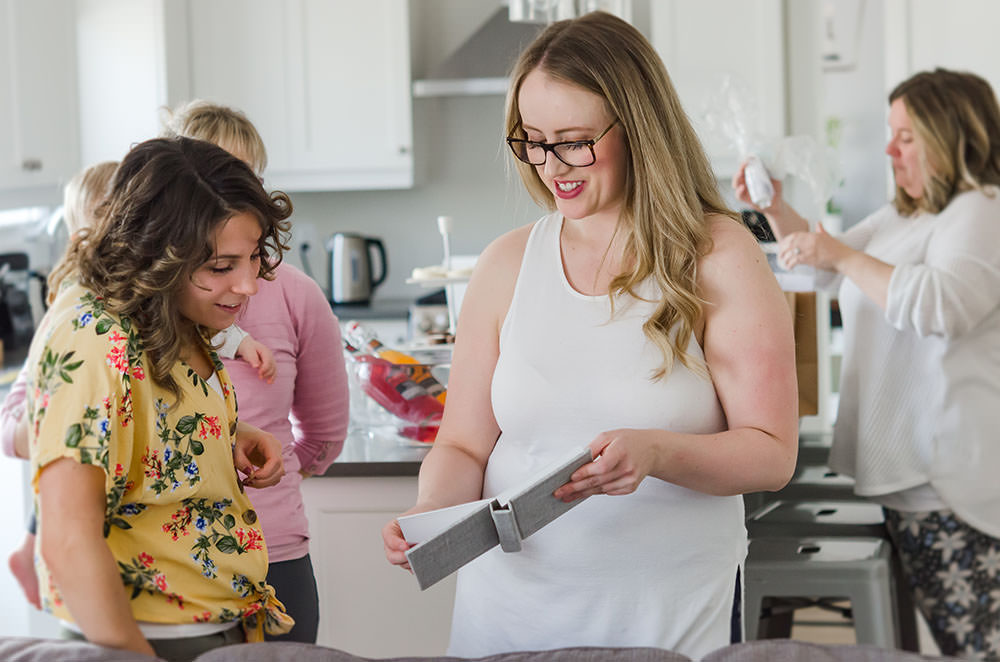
(71, 500)
(784, 220)
(871, 275)
(449, 476)
(732, 462)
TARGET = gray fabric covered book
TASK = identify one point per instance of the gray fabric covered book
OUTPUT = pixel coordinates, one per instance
(451, 537)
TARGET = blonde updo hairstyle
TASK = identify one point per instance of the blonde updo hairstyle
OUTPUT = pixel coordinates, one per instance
(224, 126)
(670, 186)
(956, 118)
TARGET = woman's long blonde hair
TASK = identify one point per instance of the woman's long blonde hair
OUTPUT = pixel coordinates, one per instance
(157, 226)
(957, 119)
(670, 187)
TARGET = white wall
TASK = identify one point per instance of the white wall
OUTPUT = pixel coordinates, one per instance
(857, 96)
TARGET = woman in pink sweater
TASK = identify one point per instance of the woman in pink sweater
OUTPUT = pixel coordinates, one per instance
(292, 317)
(305, 405)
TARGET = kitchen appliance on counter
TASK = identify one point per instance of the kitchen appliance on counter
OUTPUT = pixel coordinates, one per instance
(352, 276)
(428, 319)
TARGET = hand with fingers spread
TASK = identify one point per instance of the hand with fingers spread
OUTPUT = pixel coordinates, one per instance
(622, 458)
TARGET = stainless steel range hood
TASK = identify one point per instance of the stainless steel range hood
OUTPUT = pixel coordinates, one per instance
(483, 61)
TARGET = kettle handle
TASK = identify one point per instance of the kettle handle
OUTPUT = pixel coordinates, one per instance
(377, 243)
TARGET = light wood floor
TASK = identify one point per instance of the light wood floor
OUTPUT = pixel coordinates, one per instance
(825, 627)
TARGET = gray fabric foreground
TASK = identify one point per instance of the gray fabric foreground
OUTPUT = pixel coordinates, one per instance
(293, 652)
(788, 650)
(26, 649)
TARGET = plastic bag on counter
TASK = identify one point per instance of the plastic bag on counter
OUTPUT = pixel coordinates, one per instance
(402, 390)
(732, 114)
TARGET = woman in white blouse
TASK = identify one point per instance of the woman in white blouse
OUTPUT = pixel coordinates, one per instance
(919, 413)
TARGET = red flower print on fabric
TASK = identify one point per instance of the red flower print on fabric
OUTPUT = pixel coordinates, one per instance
(249, 539)
(213, 427)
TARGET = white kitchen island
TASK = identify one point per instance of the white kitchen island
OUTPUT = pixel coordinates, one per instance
(367, 606)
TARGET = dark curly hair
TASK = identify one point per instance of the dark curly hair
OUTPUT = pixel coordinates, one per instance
(157, 226)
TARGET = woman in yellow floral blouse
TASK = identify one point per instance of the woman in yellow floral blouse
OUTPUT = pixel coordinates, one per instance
(147, 541)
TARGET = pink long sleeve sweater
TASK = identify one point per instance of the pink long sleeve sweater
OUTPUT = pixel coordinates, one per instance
(291, 316)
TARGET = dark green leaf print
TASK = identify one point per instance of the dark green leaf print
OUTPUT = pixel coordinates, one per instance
(53, 365)
(187, 424)
(197, 448)
(120, 523)
(196, 380)
(103, 326)
(229, 522)
(74, 435)
(216, 361)
(227, 545)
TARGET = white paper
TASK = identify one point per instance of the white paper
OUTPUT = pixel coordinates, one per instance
(423, 526)
(420, 527)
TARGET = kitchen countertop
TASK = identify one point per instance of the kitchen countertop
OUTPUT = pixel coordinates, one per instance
(374, 454)
(376, 309)
(367, 454)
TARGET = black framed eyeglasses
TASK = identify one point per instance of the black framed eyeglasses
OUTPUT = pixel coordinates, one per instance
(574, 153)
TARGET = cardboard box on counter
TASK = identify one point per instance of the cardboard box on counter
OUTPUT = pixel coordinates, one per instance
(803, 307)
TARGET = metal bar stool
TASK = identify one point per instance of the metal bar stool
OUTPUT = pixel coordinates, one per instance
(830, 519)
(818, 518)
(858, 569)
(818, 483)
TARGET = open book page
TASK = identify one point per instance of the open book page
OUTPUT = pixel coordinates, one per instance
(479, 526)
(423, 526)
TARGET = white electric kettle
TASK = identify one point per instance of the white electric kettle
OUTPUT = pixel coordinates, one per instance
(352, 277)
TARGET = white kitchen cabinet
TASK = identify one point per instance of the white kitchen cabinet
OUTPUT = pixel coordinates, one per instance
(924, 35)
(326, 83)
(38, 127)
(703, 42)
(368, 607)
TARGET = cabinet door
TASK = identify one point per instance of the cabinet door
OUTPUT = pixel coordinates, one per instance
(368, 607)
(920, 36)
(38, 131)
(704, 42)
(326, 83)
(237, 56)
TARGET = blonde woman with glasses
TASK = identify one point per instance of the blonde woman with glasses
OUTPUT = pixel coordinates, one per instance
(639, 318)
(919, 290)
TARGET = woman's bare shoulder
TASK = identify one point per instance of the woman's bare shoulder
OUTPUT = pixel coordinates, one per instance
(727, 231)
(507, 250)
(491, 287)
(734, 256)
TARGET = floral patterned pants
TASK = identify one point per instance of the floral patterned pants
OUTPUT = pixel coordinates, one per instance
(953, 571)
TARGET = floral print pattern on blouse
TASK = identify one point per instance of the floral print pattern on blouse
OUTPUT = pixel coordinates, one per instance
(186, 539)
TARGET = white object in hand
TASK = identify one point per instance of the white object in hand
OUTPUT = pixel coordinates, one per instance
(444, 227)
(758, 183)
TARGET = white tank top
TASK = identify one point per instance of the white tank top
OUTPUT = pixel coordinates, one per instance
(654, 568)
